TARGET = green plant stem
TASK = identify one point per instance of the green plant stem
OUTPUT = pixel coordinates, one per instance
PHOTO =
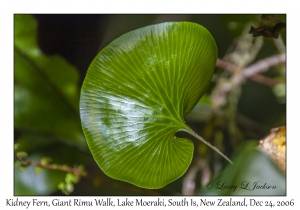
(193, 133)
(105, 181)
(65, 168)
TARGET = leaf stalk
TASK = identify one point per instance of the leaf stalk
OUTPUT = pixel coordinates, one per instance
(193, 133)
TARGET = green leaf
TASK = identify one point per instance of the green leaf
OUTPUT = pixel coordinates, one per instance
(46, 90)
(69, 187)
(251, 170)
(58, 75)
(71, 178)
(45, 160)
(22, 154)
(38, 169)
(16, 146)
(135, 96)
(279, 91)
(62, 187)
(66, 187)
(23, 168)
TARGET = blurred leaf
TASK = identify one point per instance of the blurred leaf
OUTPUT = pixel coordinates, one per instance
(269, 26)
(62, 187)
(45, 160)
(17, 163)
(71, 178)
(16, 146)
(250, 167)
(30, 143)
(46, 91)
(38, 169)
(274, 145)
(51, 151)
(82, 170)
(46, 99)
(201, 111)
(280, 92)
(22, 154)
(59, 75)
(135, 95)
(69, 187)
(66, 187)
(22, 167)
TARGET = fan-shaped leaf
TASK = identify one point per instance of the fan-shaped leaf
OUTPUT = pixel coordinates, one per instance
(135, 96)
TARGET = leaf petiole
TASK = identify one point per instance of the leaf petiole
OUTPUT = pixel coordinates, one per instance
(193, 133)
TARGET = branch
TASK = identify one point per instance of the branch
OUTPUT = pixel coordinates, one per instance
(75, 170)
(264, 80)
(240, 75)
(227, 66)
(189, 180)
(103, 180)
(264, 64)
(252, 72)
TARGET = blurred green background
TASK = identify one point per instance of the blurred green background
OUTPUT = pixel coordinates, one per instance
(51, 56)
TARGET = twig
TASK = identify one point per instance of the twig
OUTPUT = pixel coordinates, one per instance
(239, 76)
(227, 66)
(189, 181)
(65, 168)
(104, 180)
(264, 80)
(264, 64)
(236, 69)
(280, 44)
(189, 184)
